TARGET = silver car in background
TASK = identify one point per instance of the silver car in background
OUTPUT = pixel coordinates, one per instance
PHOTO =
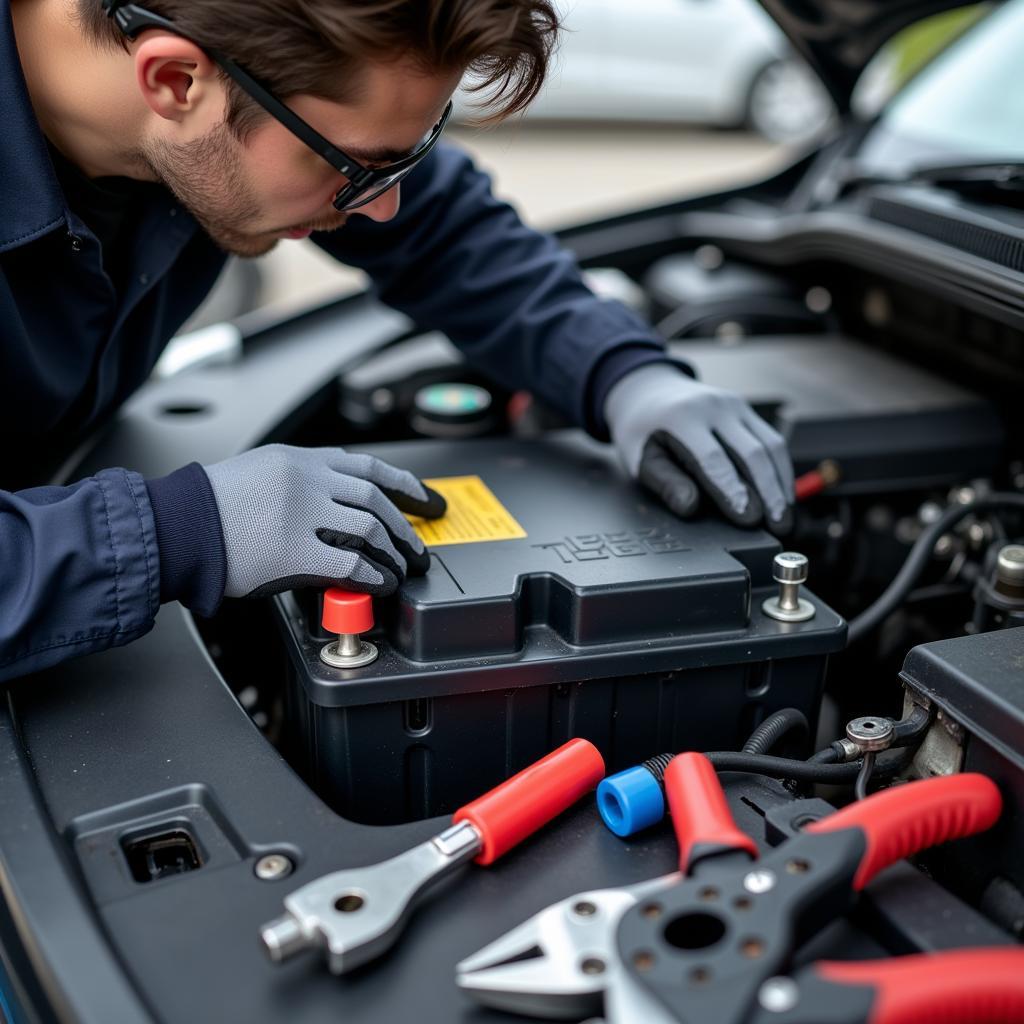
(716, 62)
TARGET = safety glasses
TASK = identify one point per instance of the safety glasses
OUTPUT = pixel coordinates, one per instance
(364, 184)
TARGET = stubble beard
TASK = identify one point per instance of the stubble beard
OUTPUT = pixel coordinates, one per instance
(207, 178)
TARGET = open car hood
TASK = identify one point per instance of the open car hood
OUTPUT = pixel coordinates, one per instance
(838, 37)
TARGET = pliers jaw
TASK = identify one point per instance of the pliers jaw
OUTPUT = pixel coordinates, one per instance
(536, 968)
(558, 964)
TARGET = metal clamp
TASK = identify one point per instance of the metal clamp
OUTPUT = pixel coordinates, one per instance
(871, 733)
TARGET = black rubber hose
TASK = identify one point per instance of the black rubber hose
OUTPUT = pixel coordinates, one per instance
(917, 560)
(820, 768)
(656, 765)
(831, 754)
(889, 763)
(773, 728)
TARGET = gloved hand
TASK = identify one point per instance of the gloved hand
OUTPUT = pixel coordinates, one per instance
(301, 517)
(678, 437)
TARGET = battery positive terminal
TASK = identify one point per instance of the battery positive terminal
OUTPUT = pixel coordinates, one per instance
(347, 614)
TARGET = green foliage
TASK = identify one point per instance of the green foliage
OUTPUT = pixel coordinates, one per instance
(915, 46)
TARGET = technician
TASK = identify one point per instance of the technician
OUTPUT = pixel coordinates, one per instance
(140, 146)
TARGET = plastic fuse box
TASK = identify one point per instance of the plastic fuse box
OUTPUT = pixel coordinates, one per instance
(562, 601)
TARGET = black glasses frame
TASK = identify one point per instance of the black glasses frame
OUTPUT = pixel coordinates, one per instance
(364, 183)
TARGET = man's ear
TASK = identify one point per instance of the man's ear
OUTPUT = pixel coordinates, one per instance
(174, 75)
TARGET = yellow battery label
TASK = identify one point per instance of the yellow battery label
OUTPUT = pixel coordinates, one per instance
(474, 514)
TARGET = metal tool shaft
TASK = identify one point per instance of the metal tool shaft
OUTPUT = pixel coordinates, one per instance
(356, 914)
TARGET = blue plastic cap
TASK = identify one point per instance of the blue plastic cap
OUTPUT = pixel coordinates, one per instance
(630, 801)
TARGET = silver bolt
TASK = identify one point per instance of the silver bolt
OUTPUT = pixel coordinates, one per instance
(273, 866)
(870, 733)
(759, 882)
(778, 995)
(248, 697)
(818, 299)
(348, 651)
(1010, 565)
(789, 571)
(790, 567)
(708, 257)
(977, 534)
(382, 400)
(1010, 570)
(730, 332)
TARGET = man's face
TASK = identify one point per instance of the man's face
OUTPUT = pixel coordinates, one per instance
(249, 195)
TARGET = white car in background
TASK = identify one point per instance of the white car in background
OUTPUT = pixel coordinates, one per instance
(715, 62)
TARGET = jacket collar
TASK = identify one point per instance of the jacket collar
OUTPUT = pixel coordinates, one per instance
(31, 201)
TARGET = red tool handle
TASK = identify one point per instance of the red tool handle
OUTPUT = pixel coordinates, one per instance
(808, 485)
(974, 986)
(518, 807)
(906, 819)
(700, 813)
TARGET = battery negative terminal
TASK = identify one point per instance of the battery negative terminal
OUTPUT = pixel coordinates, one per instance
(789, 569)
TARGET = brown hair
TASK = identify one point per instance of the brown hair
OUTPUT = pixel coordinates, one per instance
(318, 46)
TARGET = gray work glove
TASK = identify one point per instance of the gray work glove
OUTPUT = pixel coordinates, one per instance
(304, 517)
(679, 437)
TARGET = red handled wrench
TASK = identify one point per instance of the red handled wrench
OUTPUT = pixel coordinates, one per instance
(356, 914)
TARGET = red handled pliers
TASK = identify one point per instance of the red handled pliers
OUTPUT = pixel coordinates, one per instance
(712, 944)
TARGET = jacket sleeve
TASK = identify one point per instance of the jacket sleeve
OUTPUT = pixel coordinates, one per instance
(458, 260)
(79, 570)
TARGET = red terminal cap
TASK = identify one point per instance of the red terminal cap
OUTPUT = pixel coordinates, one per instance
(346, 612)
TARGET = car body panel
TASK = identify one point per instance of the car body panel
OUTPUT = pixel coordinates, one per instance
(655, 60)
(838, 38)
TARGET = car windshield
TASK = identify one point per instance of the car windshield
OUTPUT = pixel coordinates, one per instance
(965, 106)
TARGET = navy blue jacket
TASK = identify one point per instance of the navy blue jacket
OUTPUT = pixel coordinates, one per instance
(86, 566)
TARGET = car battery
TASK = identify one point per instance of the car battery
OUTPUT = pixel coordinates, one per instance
(976, 686)
(562, 600)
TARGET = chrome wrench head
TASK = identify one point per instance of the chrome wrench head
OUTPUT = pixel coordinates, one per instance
(559, 963)
(355, 915)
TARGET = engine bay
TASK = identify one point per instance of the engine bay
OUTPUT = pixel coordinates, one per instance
(599, 763)
(601, 616)
(563, 602)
